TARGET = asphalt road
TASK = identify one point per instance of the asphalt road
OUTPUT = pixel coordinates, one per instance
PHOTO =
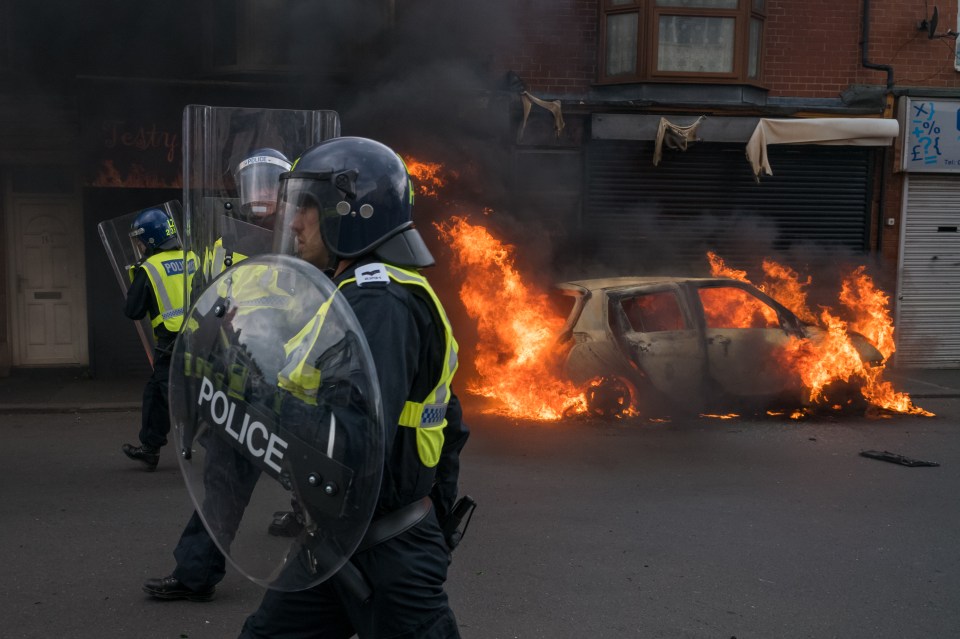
(702, 528)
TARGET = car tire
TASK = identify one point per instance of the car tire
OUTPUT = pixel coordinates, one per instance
(611, 397)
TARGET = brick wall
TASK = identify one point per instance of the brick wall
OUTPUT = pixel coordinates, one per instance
(812, 48)
(557, 52)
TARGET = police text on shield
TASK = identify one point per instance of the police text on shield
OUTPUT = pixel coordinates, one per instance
(251, 435)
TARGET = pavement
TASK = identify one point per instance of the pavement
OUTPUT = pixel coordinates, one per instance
(70, 390)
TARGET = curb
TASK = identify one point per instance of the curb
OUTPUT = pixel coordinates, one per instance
(9, 409)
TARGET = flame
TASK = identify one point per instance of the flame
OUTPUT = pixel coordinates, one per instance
(137, 177)
(736, 308)
(516, 328)
(821, 362)
(427, 176)
(783, 284)
(518, 363)
(832, 356)
(870, 307)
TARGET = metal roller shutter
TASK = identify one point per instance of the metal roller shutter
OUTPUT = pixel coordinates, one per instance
(928, 287)
(706, 198)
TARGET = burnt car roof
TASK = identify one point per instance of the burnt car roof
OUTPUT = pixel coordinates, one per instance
(606, 283)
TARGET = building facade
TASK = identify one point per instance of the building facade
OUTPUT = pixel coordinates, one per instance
(616, 129)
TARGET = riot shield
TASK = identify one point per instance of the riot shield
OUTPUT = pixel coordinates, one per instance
(274, 401)
(114, 234)
(216, 142)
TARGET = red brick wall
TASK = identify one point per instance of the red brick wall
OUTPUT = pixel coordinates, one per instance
(557, 51)
(812, 47)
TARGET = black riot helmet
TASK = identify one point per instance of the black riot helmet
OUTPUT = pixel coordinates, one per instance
(256, 177)
(361, 194)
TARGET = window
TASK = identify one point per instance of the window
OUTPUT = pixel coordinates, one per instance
(731, 307)
(676, 40)
(654, 312)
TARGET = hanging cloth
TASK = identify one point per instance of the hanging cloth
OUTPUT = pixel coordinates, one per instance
(553, 107)
(675, 137)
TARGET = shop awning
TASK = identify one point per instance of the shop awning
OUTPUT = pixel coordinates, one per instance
(836, 131)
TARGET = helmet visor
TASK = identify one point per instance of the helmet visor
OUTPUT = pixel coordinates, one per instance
(257, 184)
(309, 210)
(138, 243)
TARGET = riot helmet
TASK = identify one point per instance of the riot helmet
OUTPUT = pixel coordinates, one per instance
(345, 198)
(256, 178)
(151, 231)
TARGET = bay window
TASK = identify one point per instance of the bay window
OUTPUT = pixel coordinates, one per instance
(682, 40)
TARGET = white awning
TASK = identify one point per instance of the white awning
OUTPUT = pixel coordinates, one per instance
(839, 131)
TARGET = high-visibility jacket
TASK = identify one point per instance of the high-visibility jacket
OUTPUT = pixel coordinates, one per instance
(219, 258)
(167, 274)
(428, 416)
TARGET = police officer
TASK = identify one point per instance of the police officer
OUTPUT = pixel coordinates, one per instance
(347, 203)
(157, 290)
(200, 565)
(256, 180)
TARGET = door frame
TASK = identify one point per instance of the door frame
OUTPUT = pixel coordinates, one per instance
(13, 257)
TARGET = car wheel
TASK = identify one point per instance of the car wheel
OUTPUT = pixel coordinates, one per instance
(610, 397)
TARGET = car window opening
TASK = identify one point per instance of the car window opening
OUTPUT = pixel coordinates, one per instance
(730, 307)
(654, 312)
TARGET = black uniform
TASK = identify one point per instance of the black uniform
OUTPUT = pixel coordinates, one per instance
(155, 413)
(407, 572)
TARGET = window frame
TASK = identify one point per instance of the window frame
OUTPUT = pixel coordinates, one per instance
(648, 42)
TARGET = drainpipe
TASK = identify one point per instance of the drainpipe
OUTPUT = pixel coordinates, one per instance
(864, 55)
(865, 47)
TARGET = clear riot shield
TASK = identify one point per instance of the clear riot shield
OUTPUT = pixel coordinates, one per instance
(115, 236)
(275, 406)
(216, 140)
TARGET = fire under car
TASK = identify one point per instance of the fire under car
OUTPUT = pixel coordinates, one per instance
(666, 345)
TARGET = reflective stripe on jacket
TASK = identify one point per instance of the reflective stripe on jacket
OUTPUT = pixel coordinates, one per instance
(301, 378)
(429, 416)
(165, 270)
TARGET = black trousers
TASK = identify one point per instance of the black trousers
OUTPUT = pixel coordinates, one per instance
(155, 411)
(406, 575)
(228, 482)
(200, 564)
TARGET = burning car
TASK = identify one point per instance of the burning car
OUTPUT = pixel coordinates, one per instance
(642, 344)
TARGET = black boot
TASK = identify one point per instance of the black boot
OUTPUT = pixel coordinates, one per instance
(171, 588)
(149, 456)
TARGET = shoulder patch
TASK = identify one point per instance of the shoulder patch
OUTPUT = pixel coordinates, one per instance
(372, 275)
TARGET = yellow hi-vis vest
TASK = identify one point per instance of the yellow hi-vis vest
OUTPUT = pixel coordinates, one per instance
(428, 417)
(215, 259)
(254, 288)
(167, 276)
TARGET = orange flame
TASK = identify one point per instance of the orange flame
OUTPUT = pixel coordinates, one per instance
(833, 356)
(137, 177)
(783, 284)
(870, 307)
(427, 176)
(516, 328)
(518, 364)
(719, 268)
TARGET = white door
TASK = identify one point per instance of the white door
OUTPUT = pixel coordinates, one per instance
(49, 315)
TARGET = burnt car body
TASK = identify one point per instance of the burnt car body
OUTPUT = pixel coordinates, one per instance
(654, 344)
